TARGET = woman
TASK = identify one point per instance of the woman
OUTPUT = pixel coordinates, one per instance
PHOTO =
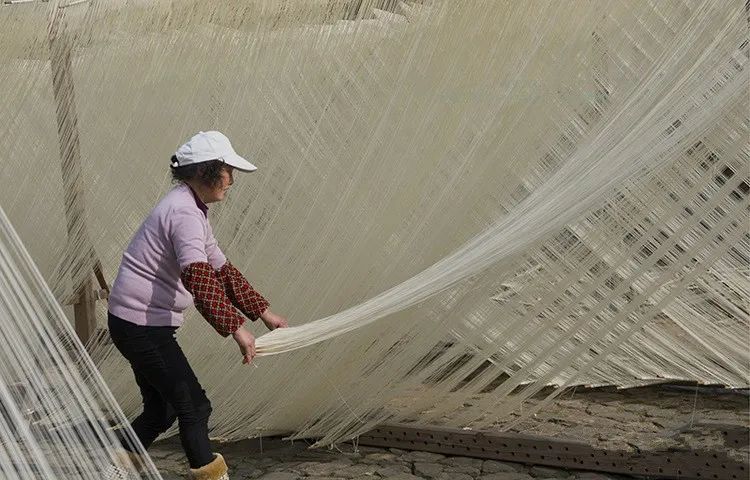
(172, 261)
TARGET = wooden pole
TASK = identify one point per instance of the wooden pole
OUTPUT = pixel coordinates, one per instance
(60, 48)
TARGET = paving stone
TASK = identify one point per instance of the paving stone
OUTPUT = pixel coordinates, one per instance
(417, 456)
(160, 453)
(245, 472)
(316, 455)
(656, 412)
(280, 476)
(506, 476)
(467, 469)
(493, 466)
(547, 472)
(162, 467)
(284, 467)
(172, 476)
(379, 457)
(357, 471)
(172, 464)
(462, 462)
(453, 476)
(427, 470)
(388, 471)
(397, 451)
(319, 468)
(622, 417)
(404, 476)
(239, 460)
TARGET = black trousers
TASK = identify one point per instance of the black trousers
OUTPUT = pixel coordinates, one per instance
(168, 385)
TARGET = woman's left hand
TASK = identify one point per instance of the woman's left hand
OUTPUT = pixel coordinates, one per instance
(272, 320)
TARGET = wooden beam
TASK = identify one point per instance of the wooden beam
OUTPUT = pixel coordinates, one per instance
(554, 452)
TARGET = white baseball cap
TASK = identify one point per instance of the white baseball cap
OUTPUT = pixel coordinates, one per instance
(207, 146)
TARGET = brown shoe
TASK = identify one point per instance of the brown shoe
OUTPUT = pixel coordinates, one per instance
(216, 470)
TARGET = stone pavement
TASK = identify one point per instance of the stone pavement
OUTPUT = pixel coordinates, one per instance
(638, 419)
(274, 459)
(641, 419)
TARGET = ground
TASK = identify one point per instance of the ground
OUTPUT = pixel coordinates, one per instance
(282, 460)
(648, 418)
(661, 417)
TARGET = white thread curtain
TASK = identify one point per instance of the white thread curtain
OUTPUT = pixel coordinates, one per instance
(522, 194)
(56, 413)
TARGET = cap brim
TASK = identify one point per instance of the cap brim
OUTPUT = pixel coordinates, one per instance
(239, 163)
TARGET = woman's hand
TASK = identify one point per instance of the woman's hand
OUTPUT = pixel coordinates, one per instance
(272, 320)
(246, 342)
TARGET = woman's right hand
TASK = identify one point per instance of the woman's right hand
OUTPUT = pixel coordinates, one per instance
(246, 342)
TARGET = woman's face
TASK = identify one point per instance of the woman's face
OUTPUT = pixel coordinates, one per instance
(219, 191)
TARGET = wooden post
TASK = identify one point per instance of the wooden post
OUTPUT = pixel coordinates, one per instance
(60, 48)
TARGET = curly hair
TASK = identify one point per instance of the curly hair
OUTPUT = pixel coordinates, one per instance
(208, 173)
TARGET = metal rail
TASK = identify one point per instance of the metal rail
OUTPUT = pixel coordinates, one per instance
(554, 452)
